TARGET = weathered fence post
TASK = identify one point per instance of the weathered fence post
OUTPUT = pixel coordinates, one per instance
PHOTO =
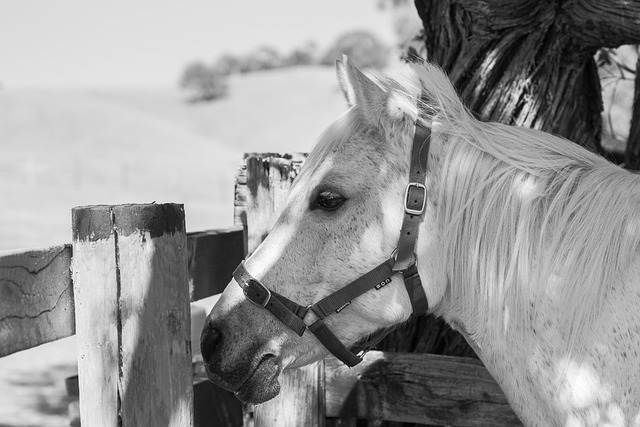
(132, 315)
(262, 184)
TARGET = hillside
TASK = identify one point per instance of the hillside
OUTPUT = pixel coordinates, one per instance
(62, 149)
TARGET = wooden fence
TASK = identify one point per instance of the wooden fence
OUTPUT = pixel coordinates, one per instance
(124, 286)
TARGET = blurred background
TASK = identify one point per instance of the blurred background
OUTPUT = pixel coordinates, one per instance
(134, 102)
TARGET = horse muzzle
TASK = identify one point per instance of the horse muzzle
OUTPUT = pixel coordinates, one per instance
(249, 370)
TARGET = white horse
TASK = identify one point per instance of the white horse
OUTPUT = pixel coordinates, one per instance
(529, 246)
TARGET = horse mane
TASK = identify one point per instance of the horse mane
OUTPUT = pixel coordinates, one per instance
(527, 216)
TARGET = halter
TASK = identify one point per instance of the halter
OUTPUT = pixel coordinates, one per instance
(403, 262)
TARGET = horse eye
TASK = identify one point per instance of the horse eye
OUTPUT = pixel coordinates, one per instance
(329, 201)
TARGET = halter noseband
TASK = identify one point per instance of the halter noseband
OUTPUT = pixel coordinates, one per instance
(404, 262)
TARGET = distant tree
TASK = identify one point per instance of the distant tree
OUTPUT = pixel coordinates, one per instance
(263, 58)
(303, 55)
(383, 4)
(266, 58)
(203, 83)
(362, 47)
(228, 64)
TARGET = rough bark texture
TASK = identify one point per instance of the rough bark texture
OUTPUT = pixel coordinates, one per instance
(529, 63)
(632, 155)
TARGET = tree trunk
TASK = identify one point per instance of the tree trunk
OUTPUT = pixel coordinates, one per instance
(529, 62)
(632, 155)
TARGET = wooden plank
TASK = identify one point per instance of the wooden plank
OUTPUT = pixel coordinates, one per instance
(132, 311)
(300, 402)
(417, 388)
(213, 255)
(36, 298)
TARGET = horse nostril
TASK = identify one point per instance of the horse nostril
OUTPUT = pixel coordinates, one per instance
(211, 338)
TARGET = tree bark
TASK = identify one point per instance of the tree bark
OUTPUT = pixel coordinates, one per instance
(529, 63)
(632, 155)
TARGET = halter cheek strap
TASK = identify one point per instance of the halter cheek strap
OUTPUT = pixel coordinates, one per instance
(415, 201)
(292, 314)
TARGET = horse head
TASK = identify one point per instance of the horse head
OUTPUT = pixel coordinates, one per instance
(343, 218)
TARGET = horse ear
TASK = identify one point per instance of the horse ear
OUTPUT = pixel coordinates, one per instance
(343, 81)
(359, 89)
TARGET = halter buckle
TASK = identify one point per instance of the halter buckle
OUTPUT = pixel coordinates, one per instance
(257, 293)
(416, 192)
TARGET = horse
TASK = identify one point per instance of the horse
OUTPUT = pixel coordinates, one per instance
(525, 243)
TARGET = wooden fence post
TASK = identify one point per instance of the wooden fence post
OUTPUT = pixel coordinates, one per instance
(301, 401)
(132, 315)
(262, 184)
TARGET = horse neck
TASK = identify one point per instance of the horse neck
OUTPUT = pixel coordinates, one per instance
(548, 385)
(546, 382)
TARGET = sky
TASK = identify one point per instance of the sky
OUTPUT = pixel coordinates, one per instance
(126, 43)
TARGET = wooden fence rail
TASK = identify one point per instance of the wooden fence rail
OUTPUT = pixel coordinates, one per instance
(36, 298)
(134, 269)
(415, 388)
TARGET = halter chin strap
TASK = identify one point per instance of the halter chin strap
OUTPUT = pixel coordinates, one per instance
(404, 262)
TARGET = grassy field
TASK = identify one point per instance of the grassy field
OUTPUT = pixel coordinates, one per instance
(62, 149)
